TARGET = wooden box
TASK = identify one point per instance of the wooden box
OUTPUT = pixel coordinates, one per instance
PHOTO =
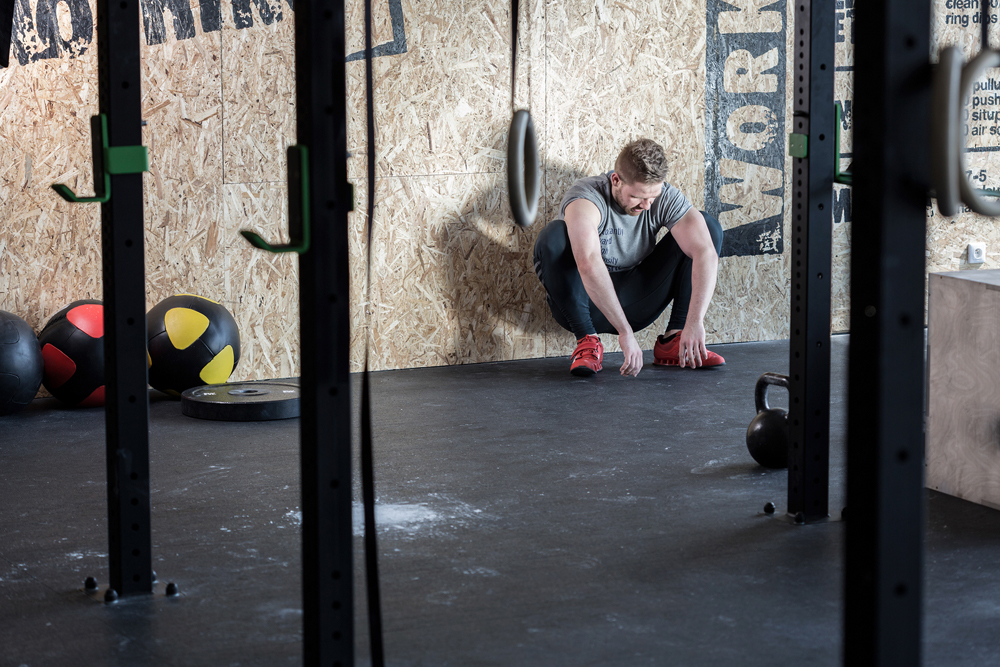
(963, 393)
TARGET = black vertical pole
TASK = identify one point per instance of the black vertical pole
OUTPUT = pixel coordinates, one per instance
(6, 28)
(884, 543)
(367, 455)
(127, 402)
(812, 246)
(327, 538)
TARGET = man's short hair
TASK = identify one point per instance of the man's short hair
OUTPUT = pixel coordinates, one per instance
(643, 161)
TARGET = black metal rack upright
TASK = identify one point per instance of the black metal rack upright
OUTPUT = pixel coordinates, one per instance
(6, 28)
(813, 148)
(122, 247)
(319, 193)
(885, 449)
(327, 537)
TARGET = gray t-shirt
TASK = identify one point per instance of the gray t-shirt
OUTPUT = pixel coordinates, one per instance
(627, 239)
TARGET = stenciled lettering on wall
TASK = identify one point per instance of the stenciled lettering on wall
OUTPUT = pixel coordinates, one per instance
(745, 124)
(844, 29)
(36, 35)
(844, 34)
(842, 193)
(398, 43)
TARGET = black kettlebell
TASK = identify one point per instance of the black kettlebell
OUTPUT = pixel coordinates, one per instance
(767, 435)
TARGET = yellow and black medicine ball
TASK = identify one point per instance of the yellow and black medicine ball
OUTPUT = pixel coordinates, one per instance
(192, 341)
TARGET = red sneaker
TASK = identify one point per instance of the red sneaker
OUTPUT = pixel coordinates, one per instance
(587, 356)
(667, 353)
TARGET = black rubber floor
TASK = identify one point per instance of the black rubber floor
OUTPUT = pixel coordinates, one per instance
(527, 518)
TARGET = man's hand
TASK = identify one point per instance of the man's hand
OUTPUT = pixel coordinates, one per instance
(633, 354)
(695, 241)
(692, 345)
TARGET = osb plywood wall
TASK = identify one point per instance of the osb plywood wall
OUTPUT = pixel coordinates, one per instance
(452, 276)
(948, 238)
(219, 106)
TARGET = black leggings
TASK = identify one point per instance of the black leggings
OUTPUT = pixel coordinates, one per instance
(644, 291)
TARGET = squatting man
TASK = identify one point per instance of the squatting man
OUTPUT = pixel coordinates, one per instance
(604, 272)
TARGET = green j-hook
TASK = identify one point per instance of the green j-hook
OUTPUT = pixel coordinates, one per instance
(298, 207)
(108, 161)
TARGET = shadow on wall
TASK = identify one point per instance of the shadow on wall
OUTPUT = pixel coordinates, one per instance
(492, 281)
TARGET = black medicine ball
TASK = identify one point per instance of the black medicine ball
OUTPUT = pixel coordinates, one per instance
(73, 348)
(20, 363)
(192, 341)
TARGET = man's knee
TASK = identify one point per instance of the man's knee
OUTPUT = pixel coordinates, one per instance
(552, 242)
(715, 229)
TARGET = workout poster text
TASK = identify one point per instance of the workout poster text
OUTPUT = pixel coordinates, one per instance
(36, 36)
(745, 123)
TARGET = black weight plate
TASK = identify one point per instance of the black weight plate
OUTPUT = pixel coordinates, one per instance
(243, 401)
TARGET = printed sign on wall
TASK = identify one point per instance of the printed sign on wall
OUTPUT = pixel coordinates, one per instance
(745, 124)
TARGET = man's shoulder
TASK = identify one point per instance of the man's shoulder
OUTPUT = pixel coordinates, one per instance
(591, 188)
(599, 184)
(670, 206)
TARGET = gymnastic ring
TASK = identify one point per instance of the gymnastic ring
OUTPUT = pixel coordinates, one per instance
(523, 178)
(946, 105)
(973, 70)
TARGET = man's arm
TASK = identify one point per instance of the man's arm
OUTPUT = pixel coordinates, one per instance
(582, 222)
(691, 234)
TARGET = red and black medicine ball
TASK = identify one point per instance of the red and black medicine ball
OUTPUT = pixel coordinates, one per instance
(73, 348)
